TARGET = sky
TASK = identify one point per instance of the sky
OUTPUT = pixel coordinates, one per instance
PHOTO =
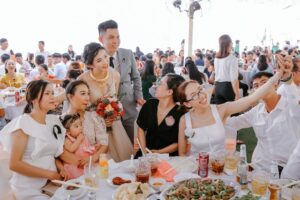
(149, 24)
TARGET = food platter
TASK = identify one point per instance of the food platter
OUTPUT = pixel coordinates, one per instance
(132, 191)
(207, 189)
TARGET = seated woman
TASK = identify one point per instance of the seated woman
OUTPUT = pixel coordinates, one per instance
(262, 66)
(203, 125)
(77, 143)
(11, 77)
(36, 139)
(94, 128)
(159, 118)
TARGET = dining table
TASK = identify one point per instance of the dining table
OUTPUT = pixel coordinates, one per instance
(105, 191)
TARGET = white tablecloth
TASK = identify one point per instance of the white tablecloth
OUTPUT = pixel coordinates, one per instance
(7, 101)
(105, 191)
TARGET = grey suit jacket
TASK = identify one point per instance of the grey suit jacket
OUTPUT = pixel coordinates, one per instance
(130, 83)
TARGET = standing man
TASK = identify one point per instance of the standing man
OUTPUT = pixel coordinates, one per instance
(42, 51)
(123, 61)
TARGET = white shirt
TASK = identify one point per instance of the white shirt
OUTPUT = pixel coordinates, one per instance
(40, 151)
(292, 168)
(226, 69)
(60, 71)
(33, 74)
(45, 54)
(289, 90)
(6, 51)
(277, 132)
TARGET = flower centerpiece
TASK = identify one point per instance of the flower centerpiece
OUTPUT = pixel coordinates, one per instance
(109, 108)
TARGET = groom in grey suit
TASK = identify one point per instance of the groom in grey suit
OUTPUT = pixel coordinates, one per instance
(123, 61)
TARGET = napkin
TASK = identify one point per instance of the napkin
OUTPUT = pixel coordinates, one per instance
(49, 189)
(162, 168)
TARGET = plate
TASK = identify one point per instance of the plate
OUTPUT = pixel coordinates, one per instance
(128, 191)
(79, 196)
(184, 176)
(157, 183)
(227, 182)
(184, 164)
(122, 175)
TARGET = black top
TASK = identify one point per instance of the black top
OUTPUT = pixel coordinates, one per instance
(162, 135)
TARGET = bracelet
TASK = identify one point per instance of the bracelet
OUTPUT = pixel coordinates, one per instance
(287, 79)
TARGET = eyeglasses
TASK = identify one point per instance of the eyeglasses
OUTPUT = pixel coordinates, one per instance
(196, 95)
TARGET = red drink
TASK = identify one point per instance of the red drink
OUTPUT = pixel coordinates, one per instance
(153, 170)
(143, 178)
(17, 96)
(203, 164)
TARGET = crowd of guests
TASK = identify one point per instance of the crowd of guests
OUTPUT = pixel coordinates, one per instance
(186, 106)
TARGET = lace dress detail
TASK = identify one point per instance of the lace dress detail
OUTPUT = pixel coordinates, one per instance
(119, 146)
(94, 128)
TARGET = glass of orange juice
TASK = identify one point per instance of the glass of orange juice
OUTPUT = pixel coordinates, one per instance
(231, 162)
(260, 182)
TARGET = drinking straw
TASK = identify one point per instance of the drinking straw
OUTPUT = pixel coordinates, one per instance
(290, 184)
(138, 141)
(90, 164)
(209, 144)
(148, 150)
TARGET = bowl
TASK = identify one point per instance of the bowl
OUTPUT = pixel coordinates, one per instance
(71, 190)
(157, 182)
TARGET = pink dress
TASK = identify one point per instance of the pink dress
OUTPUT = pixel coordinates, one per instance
(84, 150)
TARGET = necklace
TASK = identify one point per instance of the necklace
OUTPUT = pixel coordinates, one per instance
(101, 82)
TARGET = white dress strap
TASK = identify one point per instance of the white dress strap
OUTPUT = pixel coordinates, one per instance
(216, 114)
(188, 121)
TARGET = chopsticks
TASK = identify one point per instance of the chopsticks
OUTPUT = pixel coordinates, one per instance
(75, 185)
(138, 141)
(290, 184)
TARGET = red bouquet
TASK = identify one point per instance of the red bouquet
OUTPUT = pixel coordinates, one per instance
(110, 109)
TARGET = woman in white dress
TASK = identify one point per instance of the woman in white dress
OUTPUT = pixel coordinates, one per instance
(104, 81)
(34, 140)
(203, 125)
(94, 128)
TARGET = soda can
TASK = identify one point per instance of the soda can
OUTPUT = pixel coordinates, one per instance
(203, 164)
(17, 96)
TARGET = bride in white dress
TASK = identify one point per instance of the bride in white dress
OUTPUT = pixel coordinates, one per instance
(36, 139)
(104, 81)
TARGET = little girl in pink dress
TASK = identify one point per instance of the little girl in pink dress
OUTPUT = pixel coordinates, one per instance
(76, 142)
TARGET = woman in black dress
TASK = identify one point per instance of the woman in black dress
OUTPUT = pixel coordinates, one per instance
(158, 119)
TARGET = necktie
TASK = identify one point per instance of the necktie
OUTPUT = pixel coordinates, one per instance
(111, 62)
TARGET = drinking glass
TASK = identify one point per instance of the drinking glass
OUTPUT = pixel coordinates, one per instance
(274, 189)
(217, 161)
(296, 192)
(143, 170)
(154, 162)
(230, 139)
(231, 162)
(260, 182)
(91, 179)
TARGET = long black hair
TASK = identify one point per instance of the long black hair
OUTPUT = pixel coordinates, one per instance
(33, 89)
(149, 69)
(194, 73)
(173, 82)
(262, 64)
(90, 51)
